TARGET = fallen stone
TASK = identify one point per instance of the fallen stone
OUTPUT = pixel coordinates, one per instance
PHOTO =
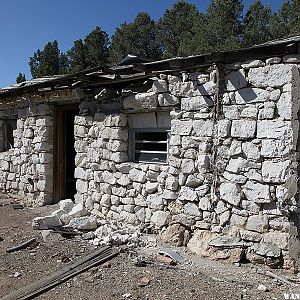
(47, 222)
(66, 205)
(174, 235)
(83, 223)
(165, 260)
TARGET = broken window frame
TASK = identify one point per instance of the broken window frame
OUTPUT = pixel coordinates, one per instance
(8, 136)
(133, 145)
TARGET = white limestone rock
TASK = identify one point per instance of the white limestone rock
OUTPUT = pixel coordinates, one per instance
(66, 205)
(196, 103)
(84, 223)
(257, 192)
(160, 218)
(273, 75)
(187, 194)
(251, 150)
(287, 106)
(236, 178)
(291, 58)
(267, 112)
(280, 239)
(141, 101)
(273, 129)
(235, 80)
(230, 193)
(137, 175)
(191, 209)
(155, 202)
(167, 99)
(203, 127)
(252, 64)
(249, 112)
(251, 95)
(181, 127)
(258, 223)
(276, 172)
(47, 222)
(187, 166)
(224, 128)
(205, 204)
(160, 86)
(275, 148)
(243, 128)
(273, 60)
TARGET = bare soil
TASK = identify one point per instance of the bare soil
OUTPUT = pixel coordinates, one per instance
(193, 279)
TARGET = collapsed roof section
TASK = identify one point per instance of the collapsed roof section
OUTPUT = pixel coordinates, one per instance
(111, 76)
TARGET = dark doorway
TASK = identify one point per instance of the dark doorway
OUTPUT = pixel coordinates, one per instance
(65, 183)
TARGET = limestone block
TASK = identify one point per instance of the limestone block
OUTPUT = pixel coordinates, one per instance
(151, 187)
(123, 180)
(160, 86)
(160, 218)
(203, 162)
(249, 112)
(191, 209)
(203, 127)
(275, 148)
(275, 172)
(251, 150)
(235, 80)
(155, 202)
(235, 148)
(250, 236)
(84, 223)
(202, 190)
(114, 133)
(167, 99)
(171, 183)
(119, 191)
(105, 200)
(251, 95)
(82, 186)
(187, 166)
(252, 64)
(224, 128)
(187, 194)
(231, 112)
(272, 76)
(109, 177)
(141, 101)
(258, 223)
(257, 192)
(119, 157)
(243, 128)
(292, 58)
(224, 217)
(137, 175)
(128, 218)
(47, 222)
(274, 129)
(174, 235)
(280, 239)
(268, 250)
(196, 103)
(237, 220)
(267, 112)
(287, 106)
(66, 205)
(230, 193)
(181, 127)
(236, 178)
(193, 181)
(169, 195)
(273, 60)
(205, 204)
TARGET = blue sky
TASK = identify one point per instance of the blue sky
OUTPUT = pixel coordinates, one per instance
(26, 25)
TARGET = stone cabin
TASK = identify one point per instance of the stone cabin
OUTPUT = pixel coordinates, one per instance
(204, 145)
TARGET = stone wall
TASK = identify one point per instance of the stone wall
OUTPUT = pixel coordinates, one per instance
(231, 177)
(27, 169)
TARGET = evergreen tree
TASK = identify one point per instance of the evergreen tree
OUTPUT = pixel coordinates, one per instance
(20, 78)
(257, 24)
(223, 25)
(176, 25)
(47, 62)
(91, 52)
(280, 24)
(138, 38)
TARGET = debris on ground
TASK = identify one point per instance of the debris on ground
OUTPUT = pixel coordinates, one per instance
(145, 280)
(21, 246)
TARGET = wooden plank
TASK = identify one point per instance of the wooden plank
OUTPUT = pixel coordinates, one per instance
(50, 281)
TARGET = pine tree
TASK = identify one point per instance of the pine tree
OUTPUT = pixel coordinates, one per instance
(138, 38)
(223, 28)
(280, 23)
(257, 24)
(20, 78)
(176, 25)
(92, 52)
(49, 61)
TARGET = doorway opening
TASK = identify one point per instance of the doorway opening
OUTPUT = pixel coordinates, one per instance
(65, 183)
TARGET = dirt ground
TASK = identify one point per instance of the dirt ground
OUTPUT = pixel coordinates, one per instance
(194, 278)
